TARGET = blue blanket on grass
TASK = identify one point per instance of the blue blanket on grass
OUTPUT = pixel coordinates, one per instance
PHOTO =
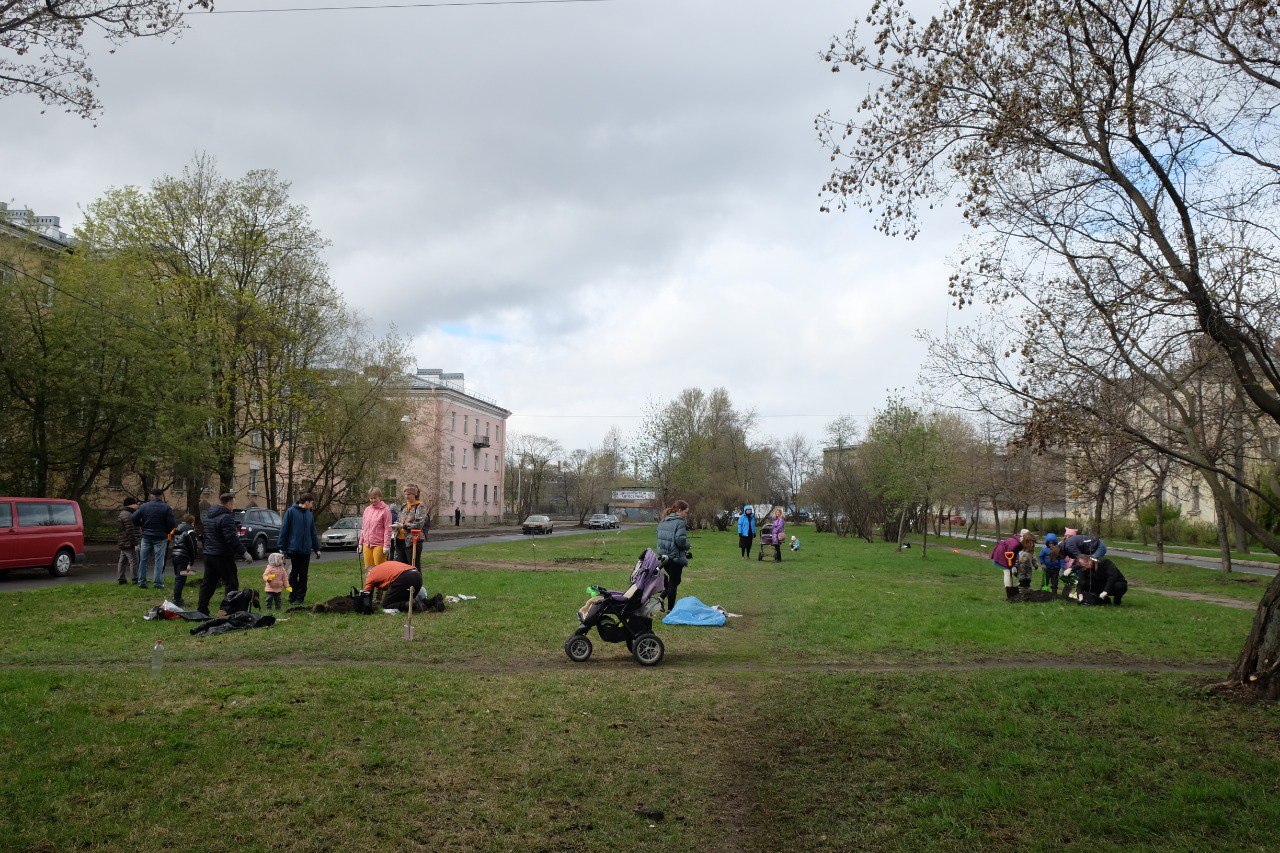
(691, 611)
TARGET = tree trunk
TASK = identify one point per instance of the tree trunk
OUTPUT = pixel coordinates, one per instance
(924, 544)
(995, 511)
(1224, 540)
(1258, 665)
(1159, 531)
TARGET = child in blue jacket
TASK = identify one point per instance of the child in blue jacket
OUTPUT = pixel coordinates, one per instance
(1051, 559)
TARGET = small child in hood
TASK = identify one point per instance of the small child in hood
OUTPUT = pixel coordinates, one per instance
(795, 544)
(277, 578)
(1026, 562)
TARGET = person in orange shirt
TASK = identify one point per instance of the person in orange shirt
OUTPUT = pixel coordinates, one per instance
(396, 581)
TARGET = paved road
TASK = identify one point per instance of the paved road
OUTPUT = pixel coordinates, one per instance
(100, 560)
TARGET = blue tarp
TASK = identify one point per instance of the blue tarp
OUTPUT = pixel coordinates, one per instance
(691, 611)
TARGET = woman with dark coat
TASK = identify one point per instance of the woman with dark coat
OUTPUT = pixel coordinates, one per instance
(673, 543)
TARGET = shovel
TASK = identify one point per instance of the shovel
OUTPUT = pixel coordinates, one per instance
(408, 626)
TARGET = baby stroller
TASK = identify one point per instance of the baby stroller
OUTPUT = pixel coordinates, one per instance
(766, 538)
(625, 616)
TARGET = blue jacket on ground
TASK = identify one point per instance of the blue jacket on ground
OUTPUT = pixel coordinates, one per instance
(155, 517)
(747, 522)
(298, 532)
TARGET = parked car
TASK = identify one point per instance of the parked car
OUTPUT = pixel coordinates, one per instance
(614, 522)
(43, 533)
(599, 521)
(537, 524)
(343, 533)
(259, 530)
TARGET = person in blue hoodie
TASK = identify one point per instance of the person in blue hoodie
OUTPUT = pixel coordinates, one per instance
(1051, 559)
(746, 530)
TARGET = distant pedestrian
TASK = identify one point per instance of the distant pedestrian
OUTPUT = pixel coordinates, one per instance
(155, 517)
(299, 539)
(184, 556)
(457, 516)
(222, 547)
(746, 530)
(673, 543)
(127, 540)
(778, 534)
(276, 578)
(375, 530)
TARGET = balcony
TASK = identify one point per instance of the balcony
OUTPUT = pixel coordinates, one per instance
(480, 441)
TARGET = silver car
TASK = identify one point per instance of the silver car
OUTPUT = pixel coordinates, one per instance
(344, 533)
(599, 521)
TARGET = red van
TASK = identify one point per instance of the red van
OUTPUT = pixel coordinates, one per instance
(41, 533)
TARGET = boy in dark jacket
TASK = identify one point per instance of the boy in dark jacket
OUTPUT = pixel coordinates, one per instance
(155, 517)
(184, 556)
(1051, 559)
(127, 540)
(222, 547)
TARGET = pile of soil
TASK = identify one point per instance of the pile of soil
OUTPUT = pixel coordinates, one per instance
(1027, 596)
(564, 560)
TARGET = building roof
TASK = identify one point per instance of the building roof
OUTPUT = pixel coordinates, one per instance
(431, 379)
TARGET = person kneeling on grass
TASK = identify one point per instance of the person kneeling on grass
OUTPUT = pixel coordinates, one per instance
(395, 581)
(1102, 578)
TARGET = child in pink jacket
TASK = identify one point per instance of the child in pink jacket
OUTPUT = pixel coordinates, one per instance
(277, 578)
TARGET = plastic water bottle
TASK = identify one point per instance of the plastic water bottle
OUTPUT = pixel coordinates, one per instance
(157, 658)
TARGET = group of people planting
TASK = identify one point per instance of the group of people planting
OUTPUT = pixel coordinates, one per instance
(1078, 564)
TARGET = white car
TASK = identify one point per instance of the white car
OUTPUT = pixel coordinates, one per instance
(344, 534)
(599, 521)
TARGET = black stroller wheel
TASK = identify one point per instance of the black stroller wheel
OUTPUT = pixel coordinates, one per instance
(578, 648)
(648, 650)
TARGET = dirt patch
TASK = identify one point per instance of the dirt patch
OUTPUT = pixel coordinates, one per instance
(562, 561)
(1196, 596)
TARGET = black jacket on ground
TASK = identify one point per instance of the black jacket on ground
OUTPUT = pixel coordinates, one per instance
(221, 534)
(155, 517)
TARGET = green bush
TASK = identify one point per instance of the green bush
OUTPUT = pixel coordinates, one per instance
(1054, 525)
(1199, 533)
(1147, 515)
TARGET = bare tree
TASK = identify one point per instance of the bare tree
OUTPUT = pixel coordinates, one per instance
(43, 50)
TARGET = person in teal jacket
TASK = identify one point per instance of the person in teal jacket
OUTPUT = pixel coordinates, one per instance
(746, 530)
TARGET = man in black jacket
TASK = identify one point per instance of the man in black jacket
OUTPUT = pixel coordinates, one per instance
(222, 547)
(155, 517)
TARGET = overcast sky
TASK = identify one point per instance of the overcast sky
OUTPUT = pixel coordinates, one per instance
(583, 207)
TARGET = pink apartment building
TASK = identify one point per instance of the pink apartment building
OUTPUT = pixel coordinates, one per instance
(456, 448)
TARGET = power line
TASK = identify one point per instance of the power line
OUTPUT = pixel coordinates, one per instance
(370, 6)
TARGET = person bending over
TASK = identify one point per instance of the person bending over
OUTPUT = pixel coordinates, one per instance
(396, 582)
(1105, 579)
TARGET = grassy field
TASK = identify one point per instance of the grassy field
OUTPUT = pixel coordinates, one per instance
(865, 699)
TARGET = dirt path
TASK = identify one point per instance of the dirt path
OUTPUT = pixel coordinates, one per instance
(1234, 603)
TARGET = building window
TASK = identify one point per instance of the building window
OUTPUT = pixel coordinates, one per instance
(473, 493)
(464, 457)
(1195, 498)
(453, 422)
(255, 438)
(115, 477)
(451, 454)
(486, 493)
(495, 494)
(308, 456)
(253, 481)
(486, 429)
(497, 432)
(464, 492)
(466, 419)
(486, 462)
(451, 491)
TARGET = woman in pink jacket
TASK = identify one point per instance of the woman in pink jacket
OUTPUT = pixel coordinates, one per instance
(778, 534)
(375, 530)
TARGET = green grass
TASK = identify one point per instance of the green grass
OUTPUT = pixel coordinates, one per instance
(865, 700)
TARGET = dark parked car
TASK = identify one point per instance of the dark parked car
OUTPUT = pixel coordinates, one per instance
(613, 521)
(537, 524)
(259, 530)
(344, 534)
